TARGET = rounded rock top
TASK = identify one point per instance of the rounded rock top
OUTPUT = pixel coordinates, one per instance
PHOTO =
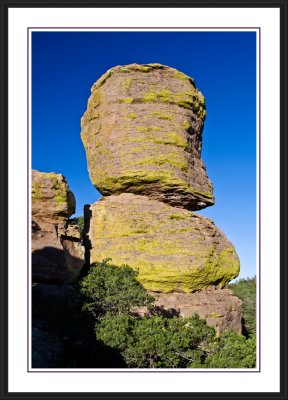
(52, 199)
(142, 132)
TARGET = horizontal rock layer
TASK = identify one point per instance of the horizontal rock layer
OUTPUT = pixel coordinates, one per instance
(173, 249)
(142, 133)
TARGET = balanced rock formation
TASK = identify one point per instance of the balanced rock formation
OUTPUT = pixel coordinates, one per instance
(174, 250)
(57, 253)
(142, 133)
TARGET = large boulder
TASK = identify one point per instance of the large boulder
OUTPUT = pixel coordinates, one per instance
(57, 252)
(173, 249)
(142, 133)
(52, 201)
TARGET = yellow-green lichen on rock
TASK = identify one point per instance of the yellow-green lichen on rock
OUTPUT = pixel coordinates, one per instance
(51, 196)
(57, 252)
(173, 251)
(147, 120)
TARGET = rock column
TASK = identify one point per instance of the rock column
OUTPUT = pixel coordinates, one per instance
(57, 253)
(142, 133)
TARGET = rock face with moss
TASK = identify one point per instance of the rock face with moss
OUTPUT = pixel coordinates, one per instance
(57, 253)
(52, 200)
(142, 133)
(173, 249)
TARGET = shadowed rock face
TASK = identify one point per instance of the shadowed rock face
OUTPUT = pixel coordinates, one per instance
(57, 253)
(142, 133)
(173, 249)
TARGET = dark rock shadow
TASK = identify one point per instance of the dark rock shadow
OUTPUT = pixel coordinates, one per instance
(154, 311)
(86, 240)
(168, 313)
(63, 333)
(35, 227)
(49, 265)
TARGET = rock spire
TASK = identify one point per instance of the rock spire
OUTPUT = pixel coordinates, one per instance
(142, 132)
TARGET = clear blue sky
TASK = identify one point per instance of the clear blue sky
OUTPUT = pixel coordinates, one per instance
(223, 64)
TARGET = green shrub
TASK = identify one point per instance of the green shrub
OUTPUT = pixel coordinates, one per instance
(156, 341)
(232, 351)
(112, 289)
(245, 289)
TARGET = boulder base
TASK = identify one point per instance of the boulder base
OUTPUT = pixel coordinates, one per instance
(173, 249)
(220, 308)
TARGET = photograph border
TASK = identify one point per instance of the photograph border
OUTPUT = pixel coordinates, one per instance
(282, 5)
(257, 30)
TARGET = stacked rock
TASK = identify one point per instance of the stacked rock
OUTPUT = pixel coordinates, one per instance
(142, 133)
(57, 253)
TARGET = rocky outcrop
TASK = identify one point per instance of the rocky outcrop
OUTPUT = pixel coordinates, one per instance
(173, 249)
(57, 253)
(52, 201)
(142, 133)
(220, 308)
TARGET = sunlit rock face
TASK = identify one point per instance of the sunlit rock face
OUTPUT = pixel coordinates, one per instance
(173, 249)
(220, 308)
(142, 133)
(52, 200)
(57, 253)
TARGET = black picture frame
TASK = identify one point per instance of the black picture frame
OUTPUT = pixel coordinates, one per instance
(282, 5)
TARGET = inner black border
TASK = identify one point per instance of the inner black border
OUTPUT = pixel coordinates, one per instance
(4, 8)
(258, 250)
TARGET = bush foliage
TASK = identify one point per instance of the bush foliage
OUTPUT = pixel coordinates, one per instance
(113, 289)
(157, 341)
(232, 351)
(245, 289)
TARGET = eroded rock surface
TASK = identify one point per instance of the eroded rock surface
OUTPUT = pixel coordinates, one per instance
(52, 201)
(57, 253)
(142, 133)
(220, 308)
(173, 249)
